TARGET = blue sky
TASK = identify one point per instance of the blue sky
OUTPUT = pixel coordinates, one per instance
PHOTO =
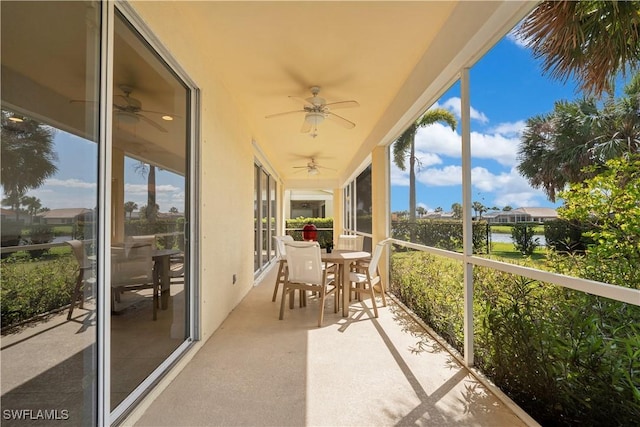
(75, 183)
(506, 88)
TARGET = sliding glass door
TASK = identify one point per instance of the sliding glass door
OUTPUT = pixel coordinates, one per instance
(149, 292)
(96, 147)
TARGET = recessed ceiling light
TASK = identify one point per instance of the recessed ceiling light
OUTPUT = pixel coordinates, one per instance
(167, 118)
(16, 119)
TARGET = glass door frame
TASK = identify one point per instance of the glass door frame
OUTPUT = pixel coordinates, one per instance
(105, 416)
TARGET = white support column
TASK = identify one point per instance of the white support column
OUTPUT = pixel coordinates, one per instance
(467, 231)
(338, 213)
(380, 201)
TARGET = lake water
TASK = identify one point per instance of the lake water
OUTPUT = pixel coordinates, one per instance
(506, 238)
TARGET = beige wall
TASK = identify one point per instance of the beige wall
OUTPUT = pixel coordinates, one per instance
(226, 177)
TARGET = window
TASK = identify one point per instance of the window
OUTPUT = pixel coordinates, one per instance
(265, 227)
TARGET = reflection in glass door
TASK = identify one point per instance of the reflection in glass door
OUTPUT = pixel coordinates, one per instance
(49, 209)
(149, 292)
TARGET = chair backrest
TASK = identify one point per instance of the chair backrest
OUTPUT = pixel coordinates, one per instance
(132, 266)
(375, 259)
(304, 262)
(279, 241)
(350, 242)
(77, 246)
(149, 239)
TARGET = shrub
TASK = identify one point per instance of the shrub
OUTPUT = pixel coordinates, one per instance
(443, 234)
(522, 235)
(33, 288)
(566, 357)
(566, 236)
(40, 234)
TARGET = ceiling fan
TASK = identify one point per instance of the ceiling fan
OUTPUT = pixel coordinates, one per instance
(312, 167)
(127, 109)
(316, 109)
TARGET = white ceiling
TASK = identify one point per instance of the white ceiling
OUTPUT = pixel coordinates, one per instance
(393, 57)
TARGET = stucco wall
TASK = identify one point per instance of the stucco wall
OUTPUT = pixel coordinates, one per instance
(226, 173)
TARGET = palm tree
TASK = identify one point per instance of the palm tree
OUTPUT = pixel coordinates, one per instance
(28, 156)
(150, 172)
(33, 205)
(556, 147)
(456, 208)
(405, 147)
(594, 41)
(129, 207)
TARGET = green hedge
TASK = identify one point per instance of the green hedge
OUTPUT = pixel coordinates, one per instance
(566, 357)
(443, 234)
(566, 236)
(35, 287)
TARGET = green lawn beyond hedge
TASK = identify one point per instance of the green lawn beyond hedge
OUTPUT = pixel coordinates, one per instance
(565, 357)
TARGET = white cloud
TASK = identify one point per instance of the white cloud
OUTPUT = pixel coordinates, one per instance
(454, 105)
(441, 177)
(70, 183)
(441, 140)
(510, 128)
(502, 149)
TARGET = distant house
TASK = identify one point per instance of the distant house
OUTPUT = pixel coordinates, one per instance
(63, 216)
(522, 215)
(10, 215)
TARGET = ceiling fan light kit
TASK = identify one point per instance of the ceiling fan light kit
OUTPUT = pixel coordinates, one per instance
(314, 118)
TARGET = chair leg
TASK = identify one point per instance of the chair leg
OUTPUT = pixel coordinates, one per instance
(383, 291)
(323, 290)
(156, 301)
(284, 298)
(373, 300)
(278, 280)
(76, 293)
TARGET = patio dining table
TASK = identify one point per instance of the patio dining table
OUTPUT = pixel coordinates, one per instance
(343, 259)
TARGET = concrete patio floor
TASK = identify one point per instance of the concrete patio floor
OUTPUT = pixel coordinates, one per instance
(257, 370)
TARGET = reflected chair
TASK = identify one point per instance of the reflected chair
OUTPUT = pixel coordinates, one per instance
(305, 272)
(366, 278)
(282, 261)
(132, 270)
(350, 242)
(86, 275)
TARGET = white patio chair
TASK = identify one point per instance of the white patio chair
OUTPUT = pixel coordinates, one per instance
(132, 270)
(367, 277)
(305, 273)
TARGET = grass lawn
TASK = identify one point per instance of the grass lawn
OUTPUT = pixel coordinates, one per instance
(507, 251)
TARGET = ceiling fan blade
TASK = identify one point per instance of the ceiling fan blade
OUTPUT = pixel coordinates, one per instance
(284, 114)
(340, 120)
(342, 104)
(152, 123)
(306, 127)
(301, 100)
